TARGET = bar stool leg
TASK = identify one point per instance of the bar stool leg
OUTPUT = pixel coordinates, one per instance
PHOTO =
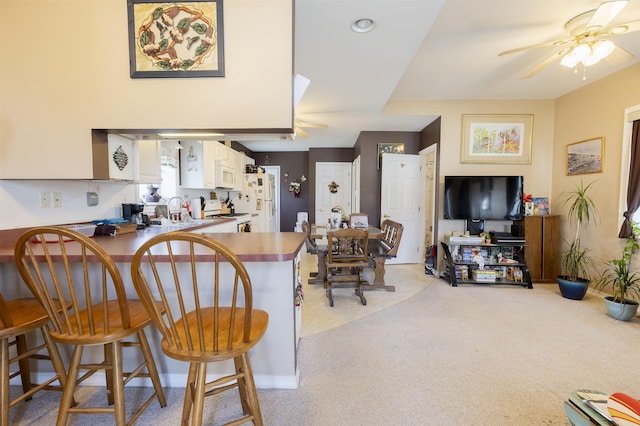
(4, 382)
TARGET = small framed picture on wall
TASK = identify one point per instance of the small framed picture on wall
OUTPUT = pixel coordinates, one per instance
(391, 148)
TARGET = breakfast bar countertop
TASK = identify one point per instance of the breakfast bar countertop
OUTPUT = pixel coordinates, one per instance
(248, 246)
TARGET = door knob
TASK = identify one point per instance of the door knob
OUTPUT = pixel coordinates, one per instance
(385, 215)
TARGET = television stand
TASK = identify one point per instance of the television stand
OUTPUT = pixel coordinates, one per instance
(503, 264)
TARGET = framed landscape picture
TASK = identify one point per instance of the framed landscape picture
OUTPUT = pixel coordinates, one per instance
(585, 156)
(176, 39)
(504, 139)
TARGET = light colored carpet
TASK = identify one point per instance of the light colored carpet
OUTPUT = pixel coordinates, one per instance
(317, 316)
(468, 355)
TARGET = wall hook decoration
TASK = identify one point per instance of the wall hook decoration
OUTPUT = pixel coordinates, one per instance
(333, 187)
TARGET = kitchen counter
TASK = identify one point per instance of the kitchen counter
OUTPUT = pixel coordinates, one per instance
(250, 247)
(272, 261)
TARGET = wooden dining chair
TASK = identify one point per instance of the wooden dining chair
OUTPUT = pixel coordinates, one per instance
(347, 256)
(17, 318)
(385, 248)
(208, 299)
(55, 261)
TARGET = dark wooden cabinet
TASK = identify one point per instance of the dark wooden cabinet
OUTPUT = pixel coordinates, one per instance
(542, 252)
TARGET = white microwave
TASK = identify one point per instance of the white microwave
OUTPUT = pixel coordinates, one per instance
(225, 176)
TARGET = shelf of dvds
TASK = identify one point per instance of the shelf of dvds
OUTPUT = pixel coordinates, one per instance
(500, 263)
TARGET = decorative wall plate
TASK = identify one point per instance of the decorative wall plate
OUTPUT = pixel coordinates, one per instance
(120, 158)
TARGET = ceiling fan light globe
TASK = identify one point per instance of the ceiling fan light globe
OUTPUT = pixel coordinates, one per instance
(591, 60)
(602, 48)
(581, 52)
(569, 61)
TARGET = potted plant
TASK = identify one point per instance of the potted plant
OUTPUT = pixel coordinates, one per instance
(576, 263)
(624, 282)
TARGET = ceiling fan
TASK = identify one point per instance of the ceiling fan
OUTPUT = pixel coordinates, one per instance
(300, 126)
(588, 41)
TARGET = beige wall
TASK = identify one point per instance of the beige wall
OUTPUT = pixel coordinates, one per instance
(65, 70)
(596, 110)
(537, 175)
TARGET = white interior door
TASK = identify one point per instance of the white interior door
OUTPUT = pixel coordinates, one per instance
(332, 174)
(275, 171)
(401, 200)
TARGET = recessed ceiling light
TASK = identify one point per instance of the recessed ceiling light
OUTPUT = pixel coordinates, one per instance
(363, 25)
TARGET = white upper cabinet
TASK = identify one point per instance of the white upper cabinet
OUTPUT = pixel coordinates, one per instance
(239, 169)
(197, 164)
(211, 165)
(225, 154)
(149, 161)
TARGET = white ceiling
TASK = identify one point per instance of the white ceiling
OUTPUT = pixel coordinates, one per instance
(428, 49)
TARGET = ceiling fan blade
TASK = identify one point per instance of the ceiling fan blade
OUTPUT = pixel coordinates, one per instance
(300, 132)
(605, 13)
(618, 56)
(629, 27)
(535, 46)
(310, 124)
(542, 65)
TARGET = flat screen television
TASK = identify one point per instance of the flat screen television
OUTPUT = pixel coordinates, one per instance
(483, 197)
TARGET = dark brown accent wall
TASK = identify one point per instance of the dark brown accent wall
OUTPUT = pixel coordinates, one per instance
(295, 163)
(431, 135)
(370, 177)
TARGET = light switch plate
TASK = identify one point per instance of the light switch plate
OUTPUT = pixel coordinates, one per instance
(92, 199)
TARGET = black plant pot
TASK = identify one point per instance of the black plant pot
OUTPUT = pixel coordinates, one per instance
(572, 289)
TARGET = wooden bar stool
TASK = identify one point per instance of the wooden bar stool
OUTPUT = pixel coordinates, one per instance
(17, 318)
(208, 315)
(69, 263)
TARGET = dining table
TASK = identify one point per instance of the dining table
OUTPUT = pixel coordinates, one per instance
(319, 235)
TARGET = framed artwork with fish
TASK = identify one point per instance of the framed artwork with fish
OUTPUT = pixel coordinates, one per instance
(504, 139)
(176, 39)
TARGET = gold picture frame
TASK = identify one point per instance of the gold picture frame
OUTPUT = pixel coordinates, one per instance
(585, 156)
(490, 139)
(176, 39)
(391, 148)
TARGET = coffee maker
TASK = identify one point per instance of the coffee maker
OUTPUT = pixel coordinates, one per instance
(132, 213)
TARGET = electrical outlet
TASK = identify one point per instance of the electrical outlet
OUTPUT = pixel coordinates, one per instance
(44, 200)
(57, 199)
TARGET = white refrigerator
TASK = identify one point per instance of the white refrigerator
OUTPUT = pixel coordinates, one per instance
(257, 198)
